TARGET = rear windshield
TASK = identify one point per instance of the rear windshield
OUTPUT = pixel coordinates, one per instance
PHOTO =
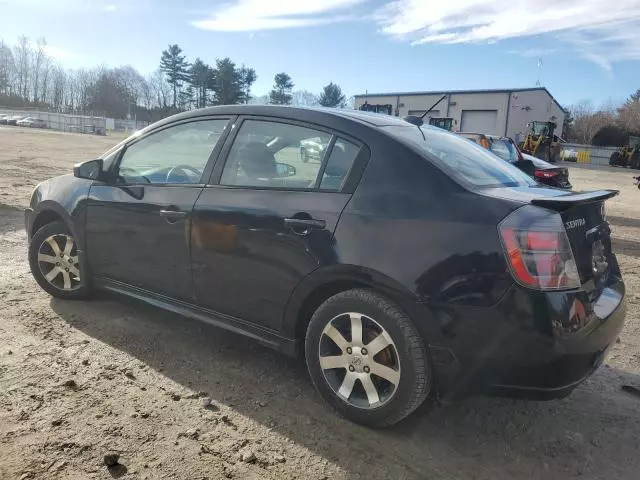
(504, 149)
(461, 159)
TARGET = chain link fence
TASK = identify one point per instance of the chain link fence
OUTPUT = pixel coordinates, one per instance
(61, 121)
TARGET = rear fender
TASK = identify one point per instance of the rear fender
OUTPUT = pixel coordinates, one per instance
(354, 277)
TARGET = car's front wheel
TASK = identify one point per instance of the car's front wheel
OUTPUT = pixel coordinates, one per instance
(54, 262)
(366, 358)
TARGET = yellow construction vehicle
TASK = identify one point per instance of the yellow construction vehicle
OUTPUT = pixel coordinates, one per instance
(628, 156)
(541, 142)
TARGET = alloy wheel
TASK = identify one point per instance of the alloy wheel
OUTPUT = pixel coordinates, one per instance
(359, 360)
(58, 262)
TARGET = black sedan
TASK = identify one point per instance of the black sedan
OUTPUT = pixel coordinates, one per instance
(407, 263)
(548, 173)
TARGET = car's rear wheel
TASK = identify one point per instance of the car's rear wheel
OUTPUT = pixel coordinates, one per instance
(366, 358)
(55, 264)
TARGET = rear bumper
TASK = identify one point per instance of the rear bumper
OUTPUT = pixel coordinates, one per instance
(530, 345)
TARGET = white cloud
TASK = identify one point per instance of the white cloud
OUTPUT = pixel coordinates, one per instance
(253, 15)
(534, 52)
(58, 53)
(600, 30)
(110, 8)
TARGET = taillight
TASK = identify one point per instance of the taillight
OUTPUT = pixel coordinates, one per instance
(545, 173)
(537, 249)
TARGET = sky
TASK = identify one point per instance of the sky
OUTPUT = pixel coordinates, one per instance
(578, 49)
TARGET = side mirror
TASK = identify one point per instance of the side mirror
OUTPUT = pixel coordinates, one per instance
(90, 170)
(285, 170)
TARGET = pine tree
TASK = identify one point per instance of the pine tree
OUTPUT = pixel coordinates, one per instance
(247, 78)
(174, 65)
(200, 80)
(227, 84)
(332, 96)
(281, 93)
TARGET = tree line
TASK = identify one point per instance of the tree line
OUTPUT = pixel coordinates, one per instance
(607, 125)
(29, 77)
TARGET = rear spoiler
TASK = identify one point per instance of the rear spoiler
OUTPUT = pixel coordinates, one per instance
(564, 202)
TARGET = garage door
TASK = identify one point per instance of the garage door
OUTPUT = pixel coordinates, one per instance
(479, 121)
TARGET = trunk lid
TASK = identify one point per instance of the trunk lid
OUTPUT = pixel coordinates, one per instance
(589, 234)
(584, 220)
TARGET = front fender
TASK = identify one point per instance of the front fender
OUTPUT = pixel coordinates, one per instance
(65, 197)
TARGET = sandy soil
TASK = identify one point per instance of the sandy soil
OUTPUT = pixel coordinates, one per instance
(80, 379)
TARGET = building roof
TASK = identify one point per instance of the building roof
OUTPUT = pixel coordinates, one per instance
(450, 92)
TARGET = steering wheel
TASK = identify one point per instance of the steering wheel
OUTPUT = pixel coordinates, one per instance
(183, 169)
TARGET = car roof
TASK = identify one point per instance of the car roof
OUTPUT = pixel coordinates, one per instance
(285, 111)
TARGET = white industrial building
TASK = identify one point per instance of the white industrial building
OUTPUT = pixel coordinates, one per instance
(495, 112)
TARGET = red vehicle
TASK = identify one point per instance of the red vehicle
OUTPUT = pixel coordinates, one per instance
(506, 149)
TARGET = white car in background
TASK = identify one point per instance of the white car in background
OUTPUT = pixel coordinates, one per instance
(31, 122)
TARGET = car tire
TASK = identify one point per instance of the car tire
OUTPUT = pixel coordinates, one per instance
(55, 263)
(344, 374)
(614, 159)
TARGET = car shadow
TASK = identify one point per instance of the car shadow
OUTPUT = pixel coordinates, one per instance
(593, 431)
(623, 221)
(11, 218)
(625, 246)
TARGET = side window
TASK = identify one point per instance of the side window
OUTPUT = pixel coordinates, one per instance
(340, 161)
(174, 155)
(275, 155)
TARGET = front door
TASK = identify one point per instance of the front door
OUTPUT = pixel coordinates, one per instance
(270, 220)
(137, 226)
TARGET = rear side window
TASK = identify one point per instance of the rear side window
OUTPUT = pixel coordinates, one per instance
(504, 149)
(340, 161)
(270, 154)
(461, 159)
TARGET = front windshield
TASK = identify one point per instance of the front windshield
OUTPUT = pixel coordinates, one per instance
(463, 160)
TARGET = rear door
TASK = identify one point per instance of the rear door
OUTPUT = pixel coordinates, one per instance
(267, 220)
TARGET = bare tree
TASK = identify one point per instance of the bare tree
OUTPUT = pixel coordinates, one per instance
(629, 114)
(58, 88)
(161, 88)
(22, 54)
(147, 94)
(7, 70)
(38, 59)
(44, 84)
(304, 98)
(587, 121)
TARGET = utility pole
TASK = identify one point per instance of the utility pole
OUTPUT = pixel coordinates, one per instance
(538, 75)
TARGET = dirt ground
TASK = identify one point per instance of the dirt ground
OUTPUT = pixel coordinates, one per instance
(80, 379)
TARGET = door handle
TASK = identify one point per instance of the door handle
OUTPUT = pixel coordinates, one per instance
(174, 215)
(304, 223)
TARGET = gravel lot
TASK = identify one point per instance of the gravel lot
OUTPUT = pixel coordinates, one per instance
(81, 379)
